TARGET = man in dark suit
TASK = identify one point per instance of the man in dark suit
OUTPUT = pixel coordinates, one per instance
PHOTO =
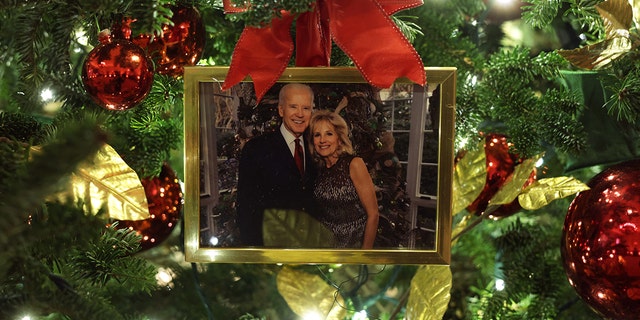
(268, 175)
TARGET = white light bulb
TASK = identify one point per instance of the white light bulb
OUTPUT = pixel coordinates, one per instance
(46, 94)
(499, 284)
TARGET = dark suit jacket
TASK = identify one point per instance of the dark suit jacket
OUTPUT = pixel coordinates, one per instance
(268, 178)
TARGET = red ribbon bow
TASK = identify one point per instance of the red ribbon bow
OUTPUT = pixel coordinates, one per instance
(361, 28)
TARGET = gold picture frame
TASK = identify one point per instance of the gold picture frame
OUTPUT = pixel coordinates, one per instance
(420, 118)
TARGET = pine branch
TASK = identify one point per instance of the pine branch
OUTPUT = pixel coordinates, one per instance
(540, 13)
(517, 96)
(145, 135)
(462, 50)
(530, 271)
(14, 156)
(110, 259)
(223, 32)
(408, 28)
(584, 14)
(36, 273)
(562, 110)
(624, 101)
(22, 127)
(89, 306)
(41, 176)
(149, 21)
(581, 14)
(44, 32)
(261, 12)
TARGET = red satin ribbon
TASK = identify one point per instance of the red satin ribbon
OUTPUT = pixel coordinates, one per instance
(361, 28)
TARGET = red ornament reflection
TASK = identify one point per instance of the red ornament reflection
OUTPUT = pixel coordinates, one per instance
(122, 30)
(117, 74)
(179, 45)
(500, 166)
(601, 242)
(164, 196)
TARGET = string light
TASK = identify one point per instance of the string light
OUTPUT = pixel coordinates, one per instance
(500, 284)
(164, 277)
(46, 94)
(506, 3)
(360, 315)
(50, 101)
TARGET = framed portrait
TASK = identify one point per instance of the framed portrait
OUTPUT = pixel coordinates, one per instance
(404, 134)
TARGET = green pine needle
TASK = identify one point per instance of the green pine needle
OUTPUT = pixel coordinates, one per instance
(624, 102)
(111, 259)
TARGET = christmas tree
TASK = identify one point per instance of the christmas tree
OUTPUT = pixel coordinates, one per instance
(554, 80)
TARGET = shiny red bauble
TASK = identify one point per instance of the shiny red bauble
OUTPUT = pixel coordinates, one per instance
(165, 199)
(500, 165)
(180, 44)
(601, 242)
(117, 74)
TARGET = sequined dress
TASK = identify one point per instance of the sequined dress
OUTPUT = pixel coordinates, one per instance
(341, 210)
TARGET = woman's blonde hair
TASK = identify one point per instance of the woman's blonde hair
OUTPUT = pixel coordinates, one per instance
(339, 125)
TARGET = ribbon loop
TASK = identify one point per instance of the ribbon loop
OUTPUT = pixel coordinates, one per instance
(381, 61)
(262, 53)
(378, 48)
(313, 40)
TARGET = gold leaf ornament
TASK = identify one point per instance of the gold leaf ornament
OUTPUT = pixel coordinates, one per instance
(107, 182)
(513, 186)
(429, 293)
(469, 178)
(599, 55)
(543, 191)
(635, 5)
(309, 296)
(617, 16)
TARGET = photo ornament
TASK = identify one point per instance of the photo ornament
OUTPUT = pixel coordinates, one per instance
(324, 168)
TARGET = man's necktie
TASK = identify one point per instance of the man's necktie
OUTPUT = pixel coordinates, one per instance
(298, 156)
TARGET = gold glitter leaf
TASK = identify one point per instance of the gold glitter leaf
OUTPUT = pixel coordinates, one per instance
(429, 293)
(469, 177)
(294, 229)
(107, 182)
(543, 191)
(308, 295)
(513, 186)
(635, 6)
(460, 227)
(599, 55)
(617, 16)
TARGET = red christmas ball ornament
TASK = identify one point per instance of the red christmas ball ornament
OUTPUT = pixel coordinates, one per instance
(164, 196)
(601, 242)
(117, 73)
(500, 164)
(180, 44)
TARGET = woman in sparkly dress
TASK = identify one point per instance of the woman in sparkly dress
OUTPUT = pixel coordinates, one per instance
(343, 189)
